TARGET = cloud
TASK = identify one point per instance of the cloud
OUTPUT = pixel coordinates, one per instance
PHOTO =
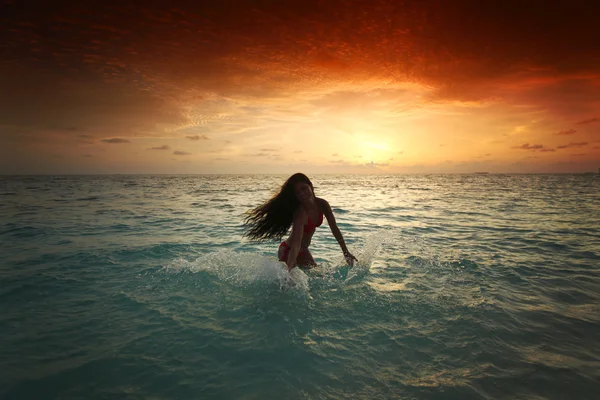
(37, 97)
(547, 150)
(588, 121)
(527, 146)
(571, 145)
(197, 137)
(567, 132)
(115, 140)
(87, 156)
(181, 153)
(375, 165)
(335, 155)
(204, 69)
(268, 150)
(163, 147)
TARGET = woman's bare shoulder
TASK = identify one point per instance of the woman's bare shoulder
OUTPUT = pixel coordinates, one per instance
(322, 203)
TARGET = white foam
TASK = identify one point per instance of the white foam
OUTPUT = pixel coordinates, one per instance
(243, 268)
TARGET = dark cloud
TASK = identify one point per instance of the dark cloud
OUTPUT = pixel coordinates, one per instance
(115, 140)
(197, 137)
(547, 150)
(36, 98)
(464, 48)
(163, 147)
(572, 145)
(567, 132)
(527, 146)
(588, 121)
(181, 153)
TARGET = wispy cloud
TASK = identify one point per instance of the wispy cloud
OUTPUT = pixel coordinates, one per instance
(527, 146)
(115, 140)
(571, 145)
(181, 153)
(197, 137)
(567, 132)
(375, 165)
(163, 147)
(588, 121)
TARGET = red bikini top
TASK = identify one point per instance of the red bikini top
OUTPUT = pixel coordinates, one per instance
(310, 227)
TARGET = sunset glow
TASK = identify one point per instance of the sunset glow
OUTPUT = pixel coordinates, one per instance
(317, 86)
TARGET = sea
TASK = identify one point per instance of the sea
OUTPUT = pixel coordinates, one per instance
(474, 286)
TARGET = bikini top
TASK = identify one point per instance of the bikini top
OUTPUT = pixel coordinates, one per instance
(310, 227)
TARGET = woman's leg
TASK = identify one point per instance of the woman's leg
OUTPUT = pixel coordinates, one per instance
(305, 260)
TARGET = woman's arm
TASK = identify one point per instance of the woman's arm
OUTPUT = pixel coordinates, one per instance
(336, 231)
(296, 238)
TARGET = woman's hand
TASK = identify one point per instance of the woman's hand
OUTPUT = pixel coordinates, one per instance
(349, 258)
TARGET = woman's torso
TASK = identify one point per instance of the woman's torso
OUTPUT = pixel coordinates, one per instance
(313, 219)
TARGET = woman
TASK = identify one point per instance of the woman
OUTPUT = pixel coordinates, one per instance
(295, 205)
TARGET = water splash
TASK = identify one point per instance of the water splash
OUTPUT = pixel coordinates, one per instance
(367, 253)
(243, 269)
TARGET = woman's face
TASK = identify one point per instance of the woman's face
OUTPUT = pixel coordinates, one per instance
(304, 193)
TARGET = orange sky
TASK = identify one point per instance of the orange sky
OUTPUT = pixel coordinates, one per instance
(312, 86)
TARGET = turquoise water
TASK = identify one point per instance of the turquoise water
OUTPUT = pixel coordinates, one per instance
(467, 287)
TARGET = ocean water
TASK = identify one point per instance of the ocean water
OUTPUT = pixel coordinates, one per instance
(142, 287)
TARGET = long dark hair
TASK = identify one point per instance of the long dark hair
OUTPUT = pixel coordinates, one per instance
(273, 219)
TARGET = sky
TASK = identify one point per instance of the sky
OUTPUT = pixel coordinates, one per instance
(314, 86)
